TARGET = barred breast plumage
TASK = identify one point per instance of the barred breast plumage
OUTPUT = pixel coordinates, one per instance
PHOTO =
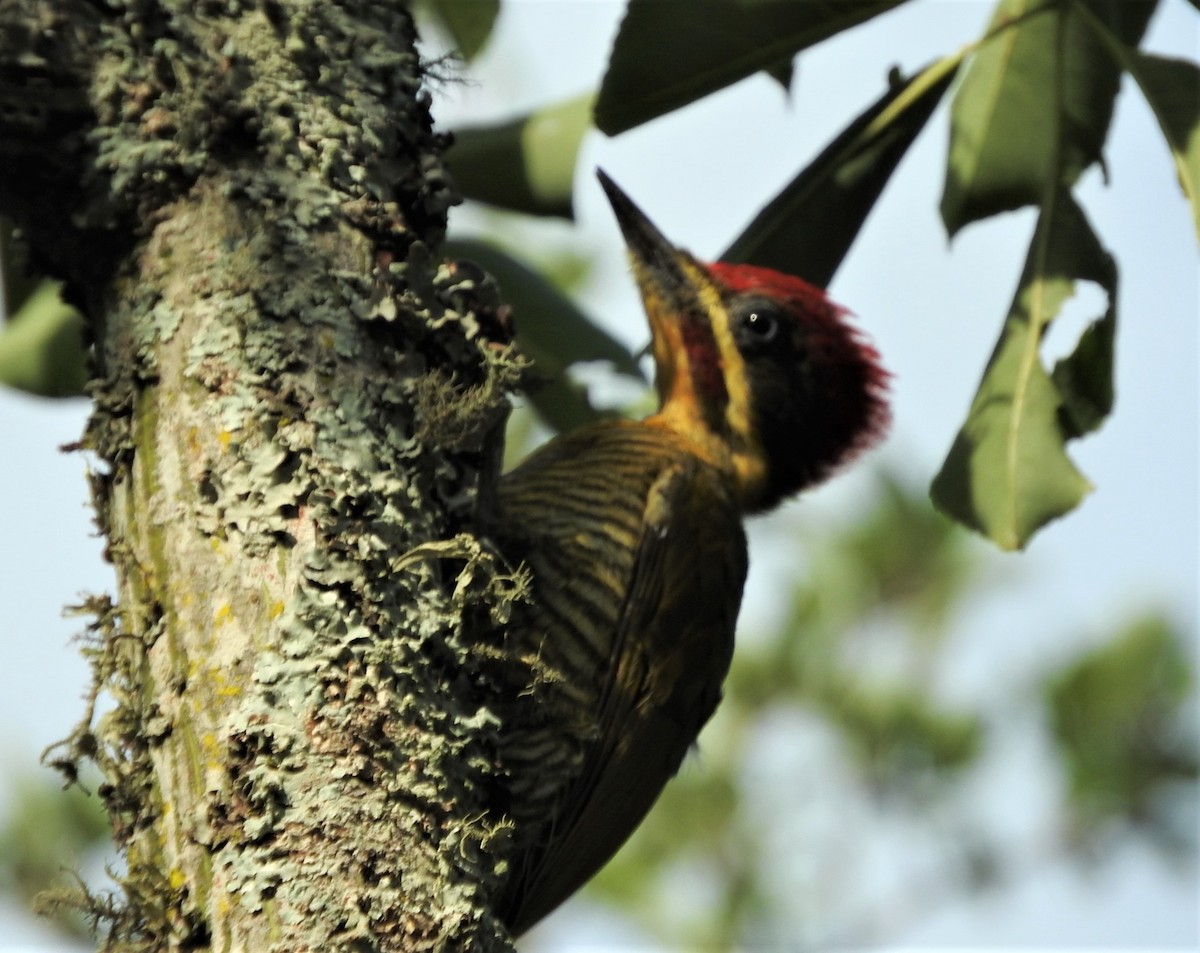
(637, 576)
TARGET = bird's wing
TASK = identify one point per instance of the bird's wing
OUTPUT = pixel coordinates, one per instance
(670, 652)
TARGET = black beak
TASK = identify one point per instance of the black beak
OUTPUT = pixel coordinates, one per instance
(654, 257)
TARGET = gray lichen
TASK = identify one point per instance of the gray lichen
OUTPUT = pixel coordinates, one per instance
(296, 405)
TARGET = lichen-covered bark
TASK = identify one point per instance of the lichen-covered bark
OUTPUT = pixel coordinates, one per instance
(295, 405)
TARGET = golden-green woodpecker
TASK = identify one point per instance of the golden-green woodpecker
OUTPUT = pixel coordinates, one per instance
(632, 531)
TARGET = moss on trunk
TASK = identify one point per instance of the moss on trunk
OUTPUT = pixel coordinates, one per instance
(292, 397)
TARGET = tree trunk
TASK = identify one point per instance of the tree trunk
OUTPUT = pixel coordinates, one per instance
(295, 408)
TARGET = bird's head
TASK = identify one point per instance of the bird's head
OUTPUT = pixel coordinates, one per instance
(760, 370)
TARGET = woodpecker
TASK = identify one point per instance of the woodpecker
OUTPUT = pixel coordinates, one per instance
(632, 533)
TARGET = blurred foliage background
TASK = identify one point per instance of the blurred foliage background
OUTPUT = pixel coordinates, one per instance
(833, 731)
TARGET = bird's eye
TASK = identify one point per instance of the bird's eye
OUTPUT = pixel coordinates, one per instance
(759, 324)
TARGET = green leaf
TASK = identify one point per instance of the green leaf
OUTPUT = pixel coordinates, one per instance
(1008, 473)
(1115, 715)
(1085, 377)
(527, 164)
(469, 22)
(895, 730)
(671, 52)
(921, 581)
(783, 73)
(41, 347)
(1034, 106)
(552, 330)
(1172, 88)
(809, 227)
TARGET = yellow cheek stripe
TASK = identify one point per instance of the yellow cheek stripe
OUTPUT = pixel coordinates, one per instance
(748, 460)
(737, 411)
